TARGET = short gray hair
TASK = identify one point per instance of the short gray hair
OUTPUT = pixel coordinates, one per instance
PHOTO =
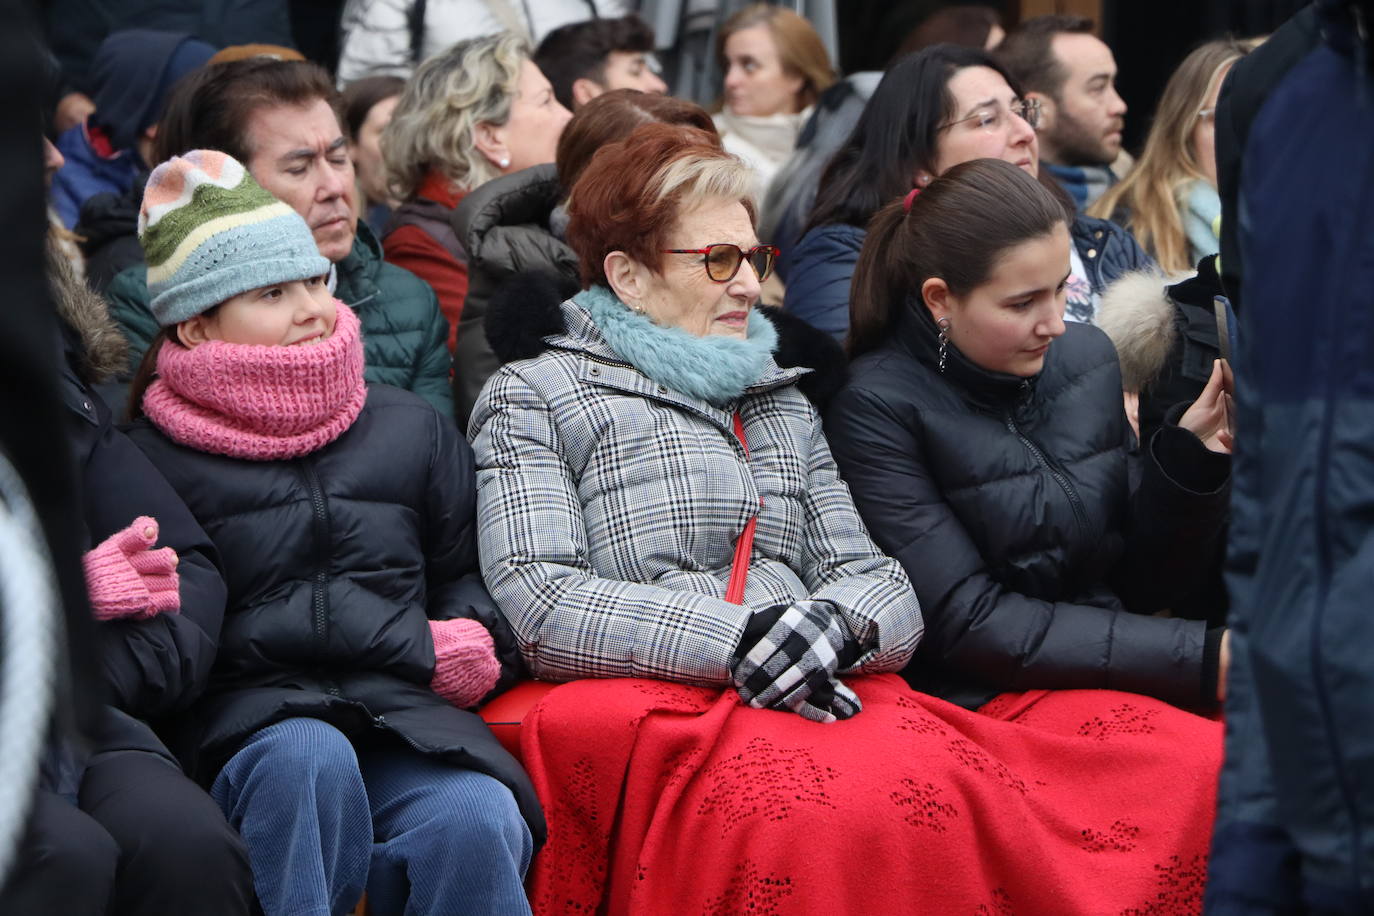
(432, 128)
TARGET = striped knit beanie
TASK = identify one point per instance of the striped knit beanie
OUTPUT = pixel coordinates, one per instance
(210, 232)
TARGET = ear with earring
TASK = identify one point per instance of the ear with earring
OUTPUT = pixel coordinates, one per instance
(943, 324)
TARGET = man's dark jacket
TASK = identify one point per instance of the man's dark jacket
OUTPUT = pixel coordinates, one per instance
(1295, 821)
(156, 668)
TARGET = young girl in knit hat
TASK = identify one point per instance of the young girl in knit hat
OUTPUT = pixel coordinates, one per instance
(333, 733)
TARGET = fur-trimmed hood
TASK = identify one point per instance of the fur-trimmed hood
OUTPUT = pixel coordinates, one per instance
(526, 310)
(1138, 315)
(1145, 312)
(103, 351)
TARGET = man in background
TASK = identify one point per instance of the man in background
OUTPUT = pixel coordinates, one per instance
(1072, 72)
(584, 59)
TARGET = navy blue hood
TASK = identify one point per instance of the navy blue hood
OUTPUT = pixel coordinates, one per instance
(132, 73)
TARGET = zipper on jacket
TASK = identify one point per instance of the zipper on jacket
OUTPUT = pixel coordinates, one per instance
(1060, 478)
(319, 589)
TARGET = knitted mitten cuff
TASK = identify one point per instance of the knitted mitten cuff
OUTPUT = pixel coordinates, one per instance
(465, 664)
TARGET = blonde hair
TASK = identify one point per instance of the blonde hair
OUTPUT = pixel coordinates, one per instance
(471, 83)
(631, 195)
(697, 180)
(1152, 190)
(800, 50)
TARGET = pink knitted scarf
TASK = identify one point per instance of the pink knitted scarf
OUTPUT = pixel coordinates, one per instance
(260, 403)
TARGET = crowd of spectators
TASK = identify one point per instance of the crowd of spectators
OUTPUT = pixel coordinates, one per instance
(840, 472)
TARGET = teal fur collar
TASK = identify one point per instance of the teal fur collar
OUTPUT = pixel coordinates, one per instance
(714, 368)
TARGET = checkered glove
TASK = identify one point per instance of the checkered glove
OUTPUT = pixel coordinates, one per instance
(793, 665)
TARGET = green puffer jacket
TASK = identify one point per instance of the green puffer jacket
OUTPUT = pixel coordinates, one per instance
(405, 337)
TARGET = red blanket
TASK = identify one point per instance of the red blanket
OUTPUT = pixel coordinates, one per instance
(663, 798)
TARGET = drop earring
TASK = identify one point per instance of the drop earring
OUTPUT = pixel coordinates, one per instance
(943, 324)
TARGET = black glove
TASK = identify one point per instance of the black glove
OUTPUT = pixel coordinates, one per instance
(792, 666)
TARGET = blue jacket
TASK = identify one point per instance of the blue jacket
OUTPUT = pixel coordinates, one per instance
(820, 267)
(1295, 821)
(131, 75)
(86, 173)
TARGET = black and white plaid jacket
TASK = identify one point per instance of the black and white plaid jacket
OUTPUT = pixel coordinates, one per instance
(609, 506)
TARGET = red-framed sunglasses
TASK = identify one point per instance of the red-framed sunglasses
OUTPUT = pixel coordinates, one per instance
(723, 260)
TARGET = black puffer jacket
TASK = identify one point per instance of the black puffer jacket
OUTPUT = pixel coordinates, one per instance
(335, 562)
(150, 669)
(504, 228)
(1010, 503)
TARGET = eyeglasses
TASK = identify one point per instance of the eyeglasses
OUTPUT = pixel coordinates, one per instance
(989, 117)
(723, 260)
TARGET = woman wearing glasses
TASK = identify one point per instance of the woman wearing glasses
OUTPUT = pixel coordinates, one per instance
(664, 527)
(1169, 200)
(619, 465)
(933, 110)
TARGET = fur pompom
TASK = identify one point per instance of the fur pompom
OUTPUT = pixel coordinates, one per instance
(1138, 316)
(523, 311)
(800, 344)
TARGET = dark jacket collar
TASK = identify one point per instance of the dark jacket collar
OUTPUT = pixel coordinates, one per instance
(505, 225)
(993, 390)
(358, 271)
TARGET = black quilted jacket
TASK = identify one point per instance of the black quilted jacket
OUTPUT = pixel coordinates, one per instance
(335, 562)
(1037, 541)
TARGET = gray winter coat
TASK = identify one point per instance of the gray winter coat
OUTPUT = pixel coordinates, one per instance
(609, 506)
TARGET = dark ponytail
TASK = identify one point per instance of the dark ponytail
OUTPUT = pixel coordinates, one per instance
(956, 229)
(147, 370)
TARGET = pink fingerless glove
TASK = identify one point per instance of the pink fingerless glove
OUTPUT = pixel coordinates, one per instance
(465, 665)
(127, 579)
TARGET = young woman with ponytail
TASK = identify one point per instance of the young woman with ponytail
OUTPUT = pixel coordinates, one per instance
(986, 447)
(985, 443)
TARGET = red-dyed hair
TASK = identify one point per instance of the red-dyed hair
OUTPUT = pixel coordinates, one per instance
(630, 195)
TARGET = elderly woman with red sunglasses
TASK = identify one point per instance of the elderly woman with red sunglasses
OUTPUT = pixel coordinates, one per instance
(662, 523)
(657, 502)
(620, 467)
